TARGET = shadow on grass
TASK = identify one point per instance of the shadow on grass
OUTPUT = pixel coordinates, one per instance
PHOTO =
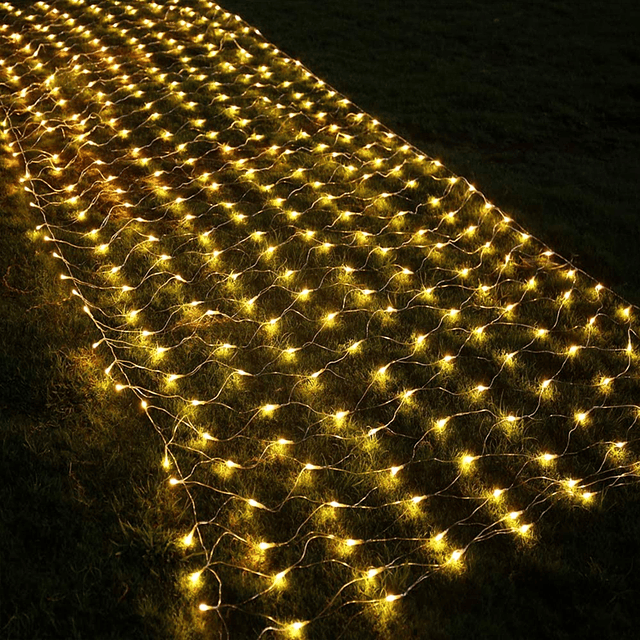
(85, 542)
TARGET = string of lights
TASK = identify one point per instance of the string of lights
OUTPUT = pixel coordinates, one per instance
(358, 367)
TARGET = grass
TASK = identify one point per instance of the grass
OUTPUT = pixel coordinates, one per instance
(534, 103)
(93, 534)
(87, 548)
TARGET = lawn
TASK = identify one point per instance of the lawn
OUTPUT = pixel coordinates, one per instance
(269, 369)
(536, 103)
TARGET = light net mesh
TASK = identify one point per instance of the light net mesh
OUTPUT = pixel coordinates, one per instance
(358, 366)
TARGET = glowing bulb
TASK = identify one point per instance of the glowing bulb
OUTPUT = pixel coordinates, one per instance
(456, 555)
(279, 577)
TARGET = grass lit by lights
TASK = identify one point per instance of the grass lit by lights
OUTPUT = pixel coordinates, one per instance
(381, 443)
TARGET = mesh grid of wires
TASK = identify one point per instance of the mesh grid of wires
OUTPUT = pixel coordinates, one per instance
(359, 367)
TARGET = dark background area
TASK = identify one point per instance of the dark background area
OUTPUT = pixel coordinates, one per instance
(535, 103)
